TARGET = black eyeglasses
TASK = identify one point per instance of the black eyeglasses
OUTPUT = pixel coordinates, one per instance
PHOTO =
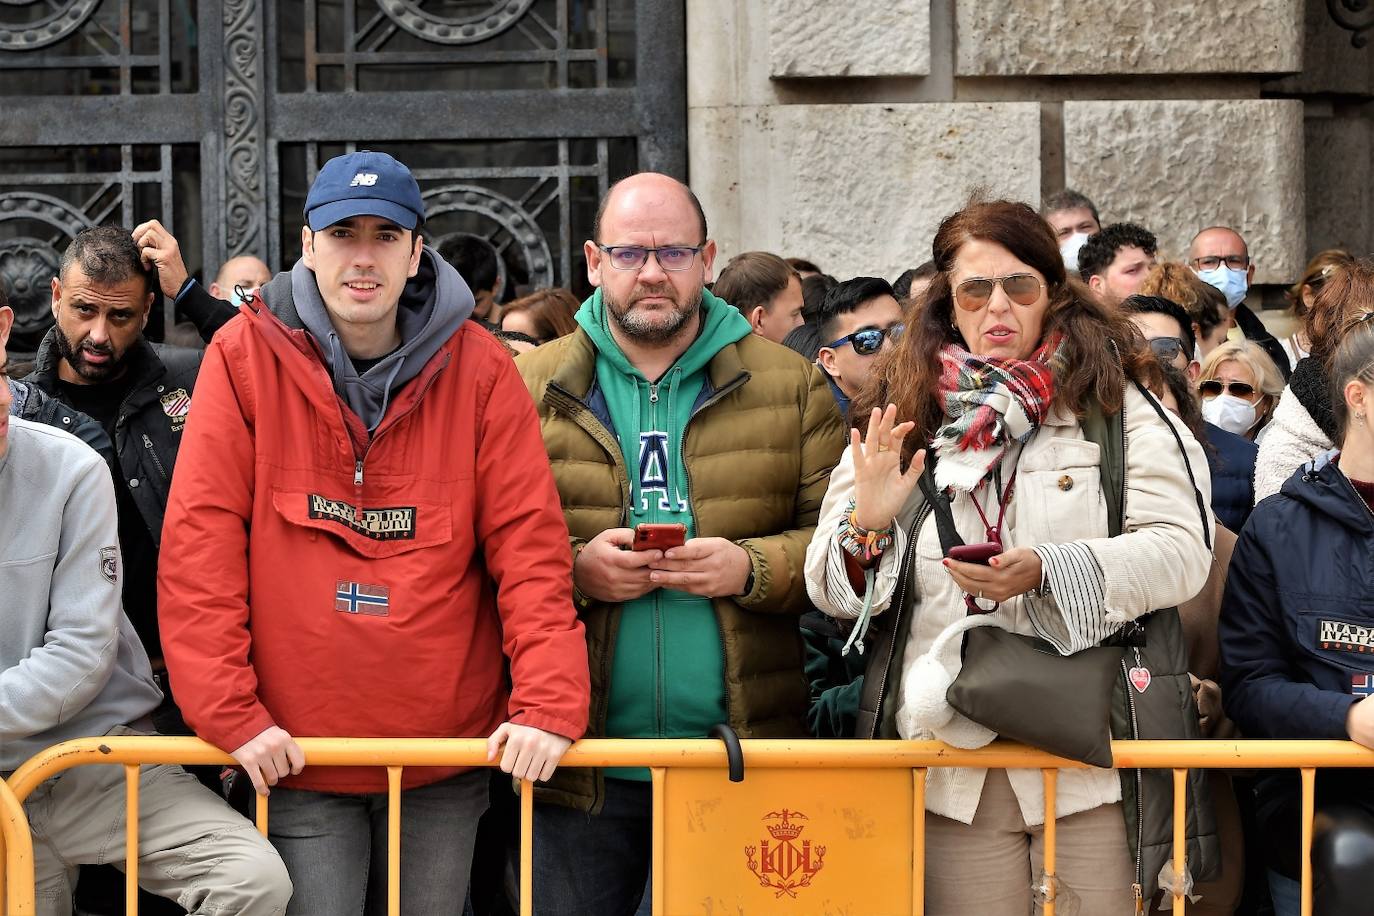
(1212, 262)
(868, 341)
(1214, 387)
(633, 257)
(1167, 348)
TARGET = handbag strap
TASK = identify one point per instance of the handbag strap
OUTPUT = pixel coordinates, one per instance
(939, 506)
(1187, 465)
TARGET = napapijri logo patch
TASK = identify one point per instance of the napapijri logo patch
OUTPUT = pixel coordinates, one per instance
(363, 180)
(109, 564)
(1346, 637)
(395, 523)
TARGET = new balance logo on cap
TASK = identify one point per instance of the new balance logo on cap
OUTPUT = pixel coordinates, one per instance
(364, 183)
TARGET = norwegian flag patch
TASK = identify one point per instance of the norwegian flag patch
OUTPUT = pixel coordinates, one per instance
(357, 598)
(1361, 685)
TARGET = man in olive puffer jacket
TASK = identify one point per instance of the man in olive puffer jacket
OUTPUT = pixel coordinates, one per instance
(663, 408)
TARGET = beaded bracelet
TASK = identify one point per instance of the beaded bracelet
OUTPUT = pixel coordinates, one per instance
(862, 543)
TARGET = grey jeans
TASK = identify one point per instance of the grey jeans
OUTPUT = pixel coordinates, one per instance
(193, 848)
(334, 847)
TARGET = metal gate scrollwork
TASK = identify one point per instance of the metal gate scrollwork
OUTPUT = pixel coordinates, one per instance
(48, 30)
(480, 26)
(515, 115)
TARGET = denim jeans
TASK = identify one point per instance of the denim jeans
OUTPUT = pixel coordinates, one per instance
(599, 863)
(1286, 894)
(334, 847)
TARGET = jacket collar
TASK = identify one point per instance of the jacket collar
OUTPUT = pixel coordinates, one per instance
(577, 372)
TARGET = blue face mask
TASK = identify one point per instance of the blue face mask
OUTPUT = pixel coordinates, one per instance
(235, 299)
(1232, 283)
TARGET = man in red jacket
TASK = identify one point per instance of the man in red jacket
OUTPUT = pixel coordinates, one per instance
(362, 522)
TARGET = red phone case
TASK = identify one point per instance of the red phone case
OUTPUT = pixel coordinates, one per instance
(659, 537)
(975, 553)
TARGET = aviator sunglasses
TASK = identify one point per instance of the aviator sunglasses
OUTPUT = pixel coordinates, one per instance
(975, 293)
(868, 341)
(1214, 387)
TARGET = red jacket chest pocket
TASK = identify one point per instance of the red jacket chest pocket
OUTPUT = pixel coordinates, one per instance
(389, 528)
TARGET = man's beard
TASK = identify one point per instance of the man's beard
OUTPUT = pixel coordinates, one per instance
(75, 358)
(652, 327)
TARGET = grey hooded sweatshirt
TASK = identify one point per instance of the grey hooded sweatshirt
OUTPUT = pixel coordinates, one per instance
(433, 306)
(71, 665)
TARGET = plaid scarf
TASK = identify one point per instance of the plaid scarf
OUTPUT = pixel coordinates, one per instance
(990, 402)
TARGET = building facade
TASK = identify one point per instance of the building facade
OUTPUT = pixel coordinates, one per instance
(839, 132)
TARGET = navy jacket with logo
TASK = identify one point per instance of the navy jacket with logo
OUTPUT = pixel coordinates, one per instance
(1297, 620)
(1297, 638)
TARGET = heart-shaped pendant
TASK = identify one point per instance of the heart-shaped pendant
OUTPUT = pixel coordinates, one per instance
(1140, 678)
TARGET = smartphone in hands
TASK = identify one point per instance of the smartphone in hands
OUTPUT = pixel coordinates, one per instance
(975, 553)
(659, 537)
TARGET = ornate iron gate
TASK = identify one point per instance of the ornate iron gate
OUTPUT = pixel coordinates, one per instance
(214, 117)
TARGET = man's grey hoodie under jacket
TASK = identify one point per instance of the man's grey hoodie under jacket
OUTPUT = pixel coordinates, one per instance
(71, 665)
(433, 306)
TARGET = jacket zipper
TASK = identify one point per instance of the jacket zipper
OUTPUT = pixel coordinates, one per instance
(898, 603)
(691, 499)
(358, 466)
(660, 698)
(1139, 886)
(157, 462)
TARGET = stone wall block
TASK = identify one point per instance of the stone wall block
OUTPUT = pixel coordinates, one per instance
(862, 189)
(1338, 184)
(809, 38)
(1180, 166)
(1091, 37)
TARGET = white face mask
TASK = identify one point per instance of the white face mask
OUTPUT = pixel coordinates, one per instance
(1233, 414)
(1070, 248)
(1232, 283)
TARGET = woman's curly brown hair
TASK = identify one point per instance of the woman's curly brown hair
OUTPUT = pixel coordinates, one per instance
(1103, 347)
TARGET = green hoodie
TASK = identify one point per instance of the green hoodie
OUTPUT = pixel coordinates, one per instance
(667, 676)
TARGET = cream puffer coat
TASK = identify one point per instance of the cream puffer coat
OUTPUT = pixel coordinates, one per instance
(1160, 560)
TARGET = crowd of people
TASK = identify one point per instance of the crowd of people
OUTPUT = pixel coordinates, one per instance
(1045, 470)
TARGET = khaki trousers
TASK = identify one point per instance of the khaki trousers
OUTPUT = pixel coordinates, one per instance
(987, 867)
(193, 848)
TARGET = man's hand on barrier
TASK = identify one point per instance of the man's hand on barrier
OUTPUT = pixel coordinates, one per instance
(530, 753)
(709, 567)
(607, 570)
(159, 247)
(1007, 575)
(271, 756)
(1359, 723)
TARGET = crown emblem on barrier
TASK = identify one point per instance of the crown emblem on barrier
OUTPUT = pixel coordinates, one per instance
(787, 863)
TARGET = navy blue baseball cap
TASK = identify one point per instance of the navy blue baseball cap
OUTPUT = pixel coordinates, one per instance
(364, 183)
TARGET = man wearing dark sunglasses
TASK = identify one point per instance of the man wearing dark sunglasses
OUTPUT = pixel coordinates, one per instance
(858, 318)
(1231, 459)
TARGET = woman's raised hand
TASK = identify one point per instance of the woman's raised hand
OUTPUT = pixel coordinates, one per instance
(880, 486)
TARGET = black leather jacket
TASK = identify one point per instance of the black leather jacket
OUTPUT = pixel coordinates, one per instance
(148, 429)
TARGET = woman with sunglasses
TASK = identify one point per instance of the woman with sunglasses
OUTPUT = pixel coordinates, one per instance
(1000, 362)
(1303, 425)
(1239, 386)
(1295, 642)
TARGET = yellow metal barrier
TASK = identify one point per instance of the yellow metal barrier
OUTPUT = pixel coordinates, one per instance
(18, 860)
(862, 792)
